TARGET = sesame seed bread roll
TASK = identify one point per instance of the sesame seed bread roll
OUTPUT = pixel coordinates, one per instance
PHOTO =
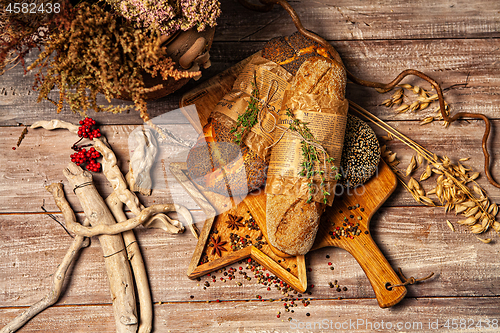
(292, 222)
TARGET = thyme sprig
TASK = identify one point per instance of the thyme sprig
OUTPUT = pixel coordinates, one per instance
(249, 118)
(312, 158)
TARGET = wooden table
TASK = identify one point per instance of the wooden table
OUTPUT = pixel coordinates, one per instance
(457, 43)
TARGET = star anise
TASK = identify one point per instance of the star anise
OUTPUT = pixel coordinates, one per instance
(218, 246)
(234, 222)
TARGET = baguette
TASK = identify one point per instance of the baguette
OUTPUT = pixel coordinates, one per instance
(221, 166)
(292, 222)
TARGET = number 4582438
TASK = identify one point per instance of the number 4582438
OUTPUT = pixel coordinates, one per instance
(32, 8)
(462, 324)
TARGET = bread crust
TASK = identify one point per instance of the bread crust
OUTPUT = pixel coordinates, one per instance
(292, 223)
(224, 168)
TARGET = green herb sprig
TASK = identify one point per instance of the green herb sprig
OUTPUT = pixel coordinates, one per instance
(312, 158)
(249, 118)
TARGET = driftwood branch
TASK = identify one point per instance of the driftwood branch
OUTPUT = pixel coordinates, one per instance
(117, 239)
(57, 286)
(162, 221)
(135, 257)
(141, 161)
(144, 216)
(120, 278)
(115, 177)
(55, 124)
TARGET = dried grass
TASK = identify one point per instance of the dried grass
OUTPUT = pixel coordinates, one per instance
(455, 187)
(415, 99)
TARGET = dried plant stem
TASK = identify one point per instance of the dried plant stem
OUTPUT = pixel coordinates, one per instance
(443, 167)
(51, 298)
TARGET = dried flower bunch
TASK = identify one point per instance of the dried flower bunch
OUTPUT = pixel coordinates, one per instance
(169, 16)
(100, 53)
(455, 189)
(20, 32)
(89, 49)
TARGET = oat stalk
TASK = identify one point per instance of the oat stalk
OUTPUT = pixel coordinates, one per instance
(451, 191)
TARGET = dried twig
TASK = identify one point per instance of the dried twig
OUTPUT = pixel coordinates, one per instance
(120, 277)
(57, 285)
(143, 217)
(55, 124)
(135, 257)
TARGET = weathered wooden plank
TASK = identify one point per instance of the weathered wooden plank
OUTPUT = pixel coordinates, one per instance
(413, 315)
(348, 20)
(43, 154)
(472, 64)
(415, 239)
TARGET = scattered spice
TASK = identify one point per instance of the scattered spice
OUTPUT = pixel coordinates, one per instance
(218, 246)
(234, 222)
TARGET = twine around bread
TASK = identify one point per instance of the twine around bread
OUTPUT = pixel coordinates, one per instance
(260, 116)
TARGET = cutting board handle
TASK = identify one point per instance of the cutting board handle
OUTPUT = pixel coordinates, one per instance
(378, 270)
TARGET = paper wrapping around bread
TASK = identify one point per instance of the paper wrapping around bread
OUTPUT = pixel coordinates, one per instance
(318, 99)
(326, 117)
(274, 67)
(268, 75)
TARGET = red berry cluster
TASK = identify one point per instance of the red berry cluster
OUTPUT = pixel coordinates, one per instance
(86, 130)
(83, 156)
(87, 157)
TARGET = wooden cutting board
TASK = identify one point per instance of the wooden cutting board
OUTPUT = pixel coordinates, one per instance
(344, 225)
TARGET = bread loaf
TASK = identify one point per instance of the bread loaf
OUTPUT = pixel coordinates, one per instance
(361, 153)
(292, 222)
(223, 167)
